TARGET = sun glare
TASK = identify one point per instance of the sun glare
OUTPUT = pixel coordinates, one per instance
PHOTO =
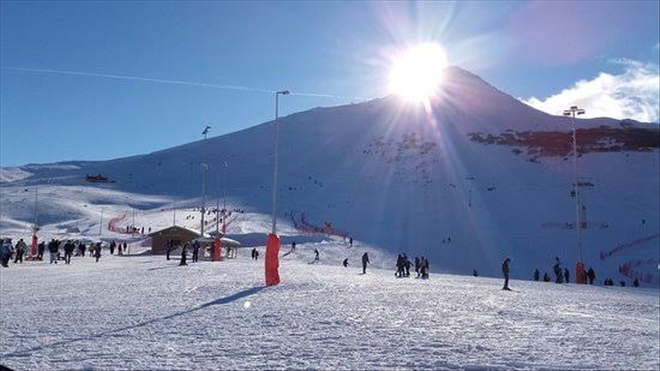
(417, 74)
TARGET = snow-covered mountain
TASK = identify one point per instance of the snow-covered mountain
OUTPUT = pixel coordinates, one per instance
(472, 178)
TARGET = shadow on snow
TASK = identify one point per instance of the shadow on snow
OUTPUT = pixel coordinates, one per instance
(219, 301)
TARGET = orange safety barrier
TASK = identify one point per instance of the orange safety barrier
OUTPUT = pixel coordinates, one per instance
(272, 260)
(217, 248)
(580, 273)
(34, 251)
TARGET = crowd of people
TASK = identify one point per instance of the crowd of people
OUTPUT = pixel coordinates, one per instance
(562, 275)
(58, 250)
(64, 250)
(403, 266)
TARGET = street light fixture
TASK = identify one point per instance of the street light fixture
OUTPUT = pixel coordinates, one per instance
(273, 244)
(580, 277)
(277, 134)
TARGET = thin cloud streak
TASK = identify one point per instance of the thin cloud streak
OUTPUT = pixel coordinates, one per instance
(174, 82)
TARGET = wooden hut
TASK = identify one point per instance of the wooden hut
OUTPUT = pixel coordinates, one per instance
(178, 235)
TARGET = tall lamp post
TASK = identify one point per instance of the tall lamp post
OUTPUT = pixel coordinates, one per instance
(277, 134)
(224, 204)
(579, 267)
(273, 243)
(204, 169)
(35, 226)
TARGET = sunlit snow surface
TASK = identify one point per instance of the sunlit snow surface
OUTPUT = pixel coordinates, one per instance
(146, 313)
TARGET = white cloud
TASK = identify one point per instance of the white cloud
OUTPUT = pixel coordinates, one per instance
(633, 94)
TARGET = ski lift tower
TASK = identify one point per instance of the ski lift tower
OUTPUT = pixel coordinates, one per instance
(580, 276)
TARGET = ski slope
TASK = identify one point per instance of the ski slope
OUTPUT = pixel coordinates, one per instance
(141, 312)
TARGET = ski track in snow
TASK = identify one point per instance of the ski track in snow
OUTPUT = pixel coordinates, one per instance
(129, 313)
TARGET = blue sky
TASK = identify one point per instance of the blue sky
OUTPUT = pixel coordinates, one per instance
(101, 80)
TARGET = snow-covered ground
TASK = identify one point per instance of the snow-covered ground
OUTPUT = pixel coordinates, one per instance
(142, 312)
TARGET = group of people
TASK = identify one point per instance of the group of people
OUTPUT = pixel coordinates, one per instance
(403, 265)
(57, 249)
(563, 275)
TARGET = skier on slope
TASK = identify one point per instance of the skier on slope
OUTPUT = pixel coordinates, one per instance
(345, 263)
(365, 261)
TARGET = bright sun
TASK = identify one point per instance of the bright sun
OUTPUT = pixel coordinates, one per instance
(416, 75)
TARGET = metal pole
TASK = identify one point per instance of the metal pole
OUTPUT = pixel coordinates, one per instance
(277, 132)
(101, 223)
(224, 206)
(204, 167)
(470, 179)
(36, 199)
(577, 192)
(572, 112)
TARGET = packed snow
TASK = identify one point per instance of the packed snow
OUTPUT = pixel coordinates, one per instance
(142, 312)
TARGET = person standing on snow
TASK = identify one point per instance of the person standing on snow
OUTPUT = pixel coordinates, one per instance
(591, 275)
(345, 263)
(195, 254)
(559, 273)
(97, 251)
(184, 253)
(21, 247)
(365, 261)
(41, 248)
(53, 246)
(405, 266)
(5, 253)
(399, 266)
(425, 268)
(68, 251)
(316, 255)
(505, 272)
